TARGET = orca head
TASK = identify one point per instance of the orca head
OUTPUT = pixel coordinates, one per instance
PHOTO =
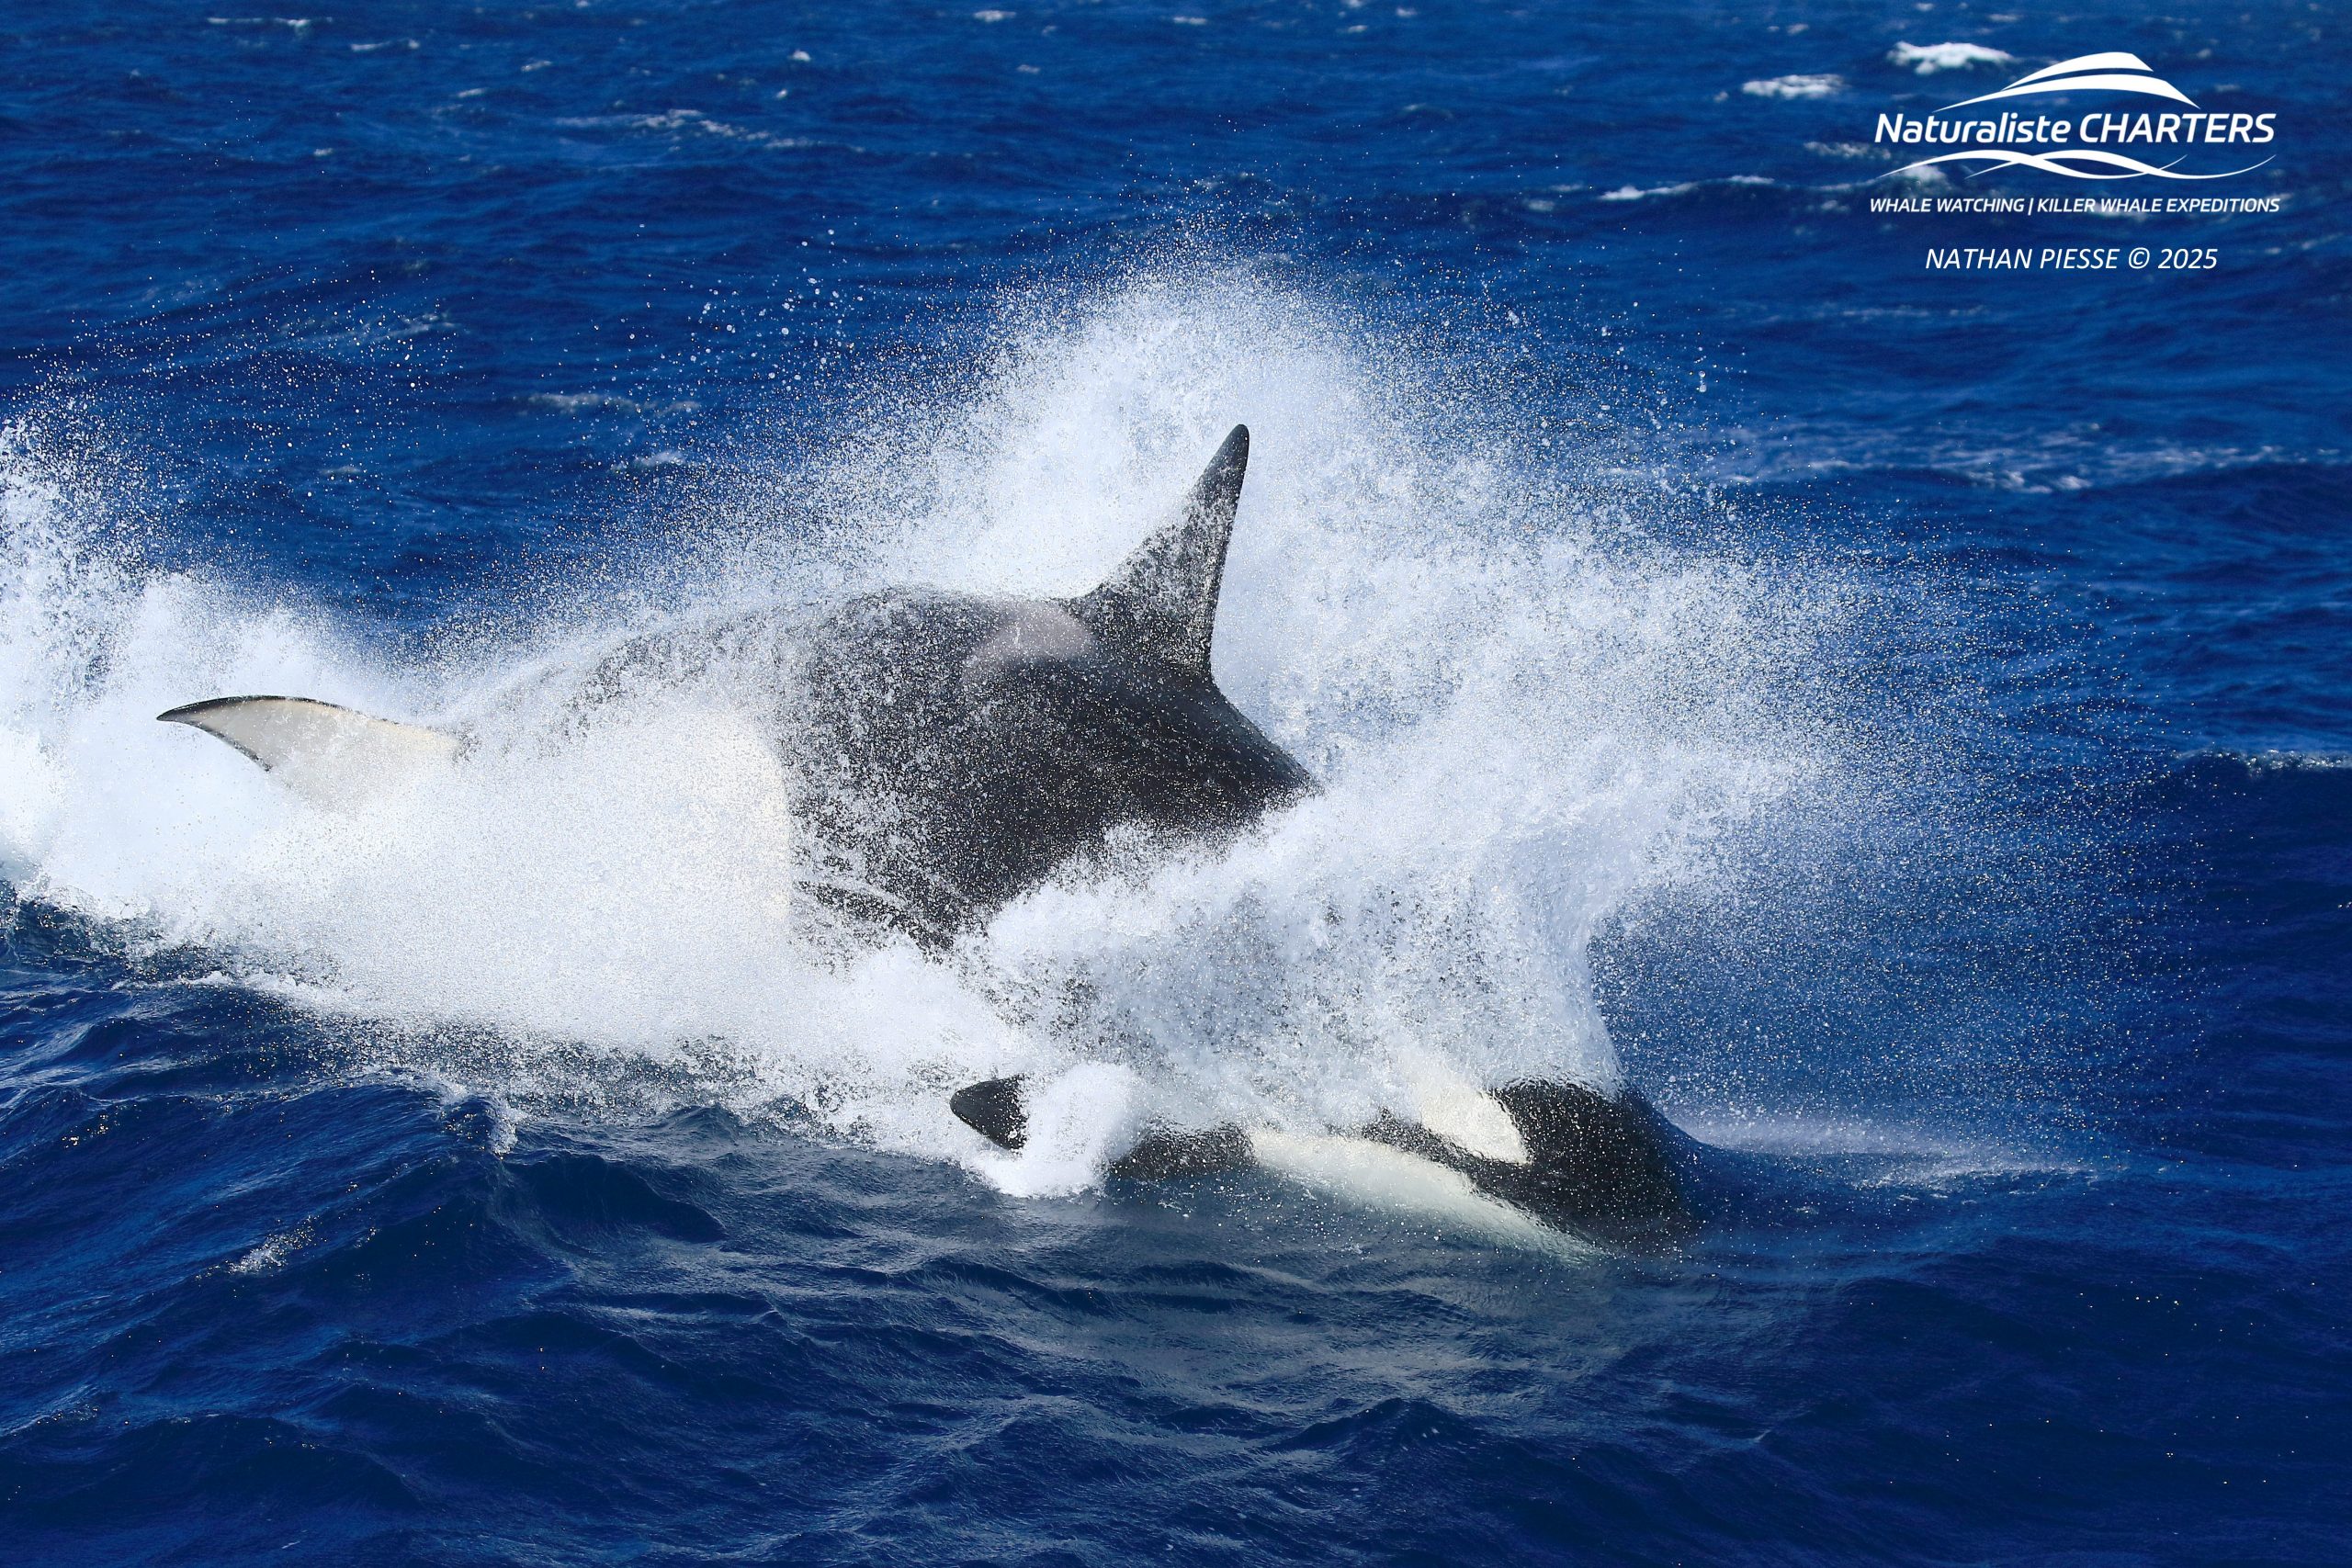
(1608, 1166)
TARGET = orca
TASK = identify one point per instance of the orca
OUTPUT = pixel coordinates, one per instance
(1607, 1168)
(950, 752)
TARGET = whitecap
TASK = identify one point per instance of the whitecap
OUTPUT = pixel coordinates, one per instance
(1927, 58)
(1822, 85)
(1681, 187)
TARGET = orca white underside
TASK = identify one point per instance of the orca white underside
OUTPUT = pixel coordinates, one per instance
(1362, 1174)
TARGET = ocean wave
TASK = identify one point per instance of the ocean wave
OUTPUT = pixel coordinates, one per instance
(1686, 188)
(1819, 85)
(2272, 759)
(2056, 461)
(694, 122)
(1927, 58)
(607, 402)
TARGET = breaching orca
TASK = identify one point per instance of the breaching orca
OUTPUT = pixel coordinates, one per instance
(950, 752)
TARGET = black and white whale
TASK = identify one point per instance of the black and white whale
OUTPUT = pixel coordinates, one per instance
(949, 752)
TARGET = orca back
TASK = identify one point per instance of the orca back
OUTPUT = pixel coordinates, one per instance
(953, 751)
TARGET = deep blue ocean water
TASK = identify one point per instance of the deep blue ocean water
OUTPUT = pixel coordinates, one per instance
(1937, 689)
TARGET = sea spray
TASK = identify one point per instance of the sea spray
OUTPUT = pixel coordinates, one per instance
(1524, 713)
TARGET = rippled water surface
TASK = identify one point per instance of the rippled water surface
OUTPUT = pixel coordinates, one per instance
(1900, 720)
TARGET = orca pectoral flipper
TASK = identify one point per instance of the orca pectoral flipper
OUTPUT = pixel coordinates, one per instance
(994, 1108)
(328, 754)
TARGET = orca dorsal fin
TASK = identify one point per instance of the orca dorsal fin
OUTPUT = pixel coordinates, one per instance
(1161, 602)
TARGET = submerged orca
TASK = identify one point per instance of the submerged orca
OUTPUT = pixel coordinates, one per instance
(950, 752)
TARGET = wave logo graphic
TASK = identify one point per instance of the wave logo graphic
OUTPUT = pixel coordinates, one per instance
(2085, 73)
(2098, 163)
(2102, 73)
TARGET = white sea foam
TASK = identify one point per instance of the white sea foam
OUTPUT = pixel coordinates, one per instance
(1525, 716)
(1927, 58)
(272, 1254)
(1683, 187)
(1817, 85)
(685, 122)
